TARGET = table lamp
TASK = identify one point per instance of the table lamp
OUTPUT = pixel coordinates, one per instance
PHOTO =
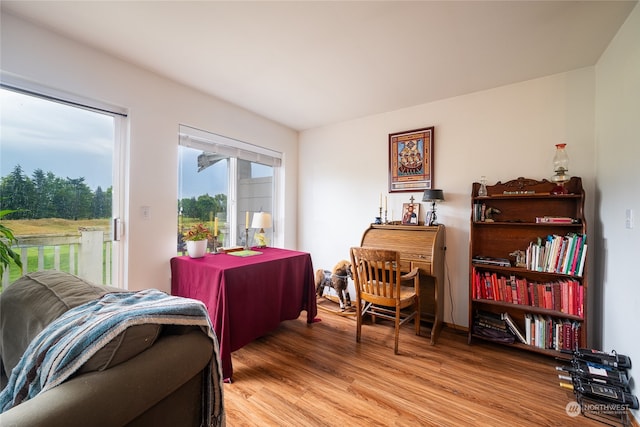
(261, 220)
(560, 167)
(432, 196)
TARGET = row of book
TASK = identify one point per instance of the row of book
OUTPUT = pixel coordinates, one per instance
(558, 254)
(538, 331)
(547, 332)
(565, 295)
(479, 212)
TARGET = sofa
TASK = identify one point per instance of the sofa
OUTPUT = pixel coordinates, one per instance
(151, 372)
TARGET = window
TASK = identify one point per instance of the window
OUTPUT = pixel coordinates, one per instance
(219, 177)
(59, 171)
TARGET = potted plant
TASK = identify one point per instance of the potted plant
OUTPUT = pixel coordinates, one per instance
(196, 239)
(6, 240)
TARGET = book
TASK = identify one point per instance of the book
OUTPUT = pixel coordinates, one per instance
(479, 259)
(244, 253)
(230, 249)
(556, 220)
(513, 327)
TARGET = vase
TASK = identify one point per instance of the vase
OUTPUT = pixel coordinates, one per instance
(196, 248)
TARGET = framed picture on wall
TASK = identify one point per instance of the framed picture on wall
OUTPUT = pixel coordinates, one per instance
(410, 213)
(411, 160)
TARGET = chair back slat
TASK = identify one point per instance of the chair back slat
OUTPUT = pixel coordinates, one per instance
(378, 271)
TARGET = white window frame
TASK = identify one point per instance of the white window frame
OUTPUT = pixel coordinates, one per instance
(12, 82)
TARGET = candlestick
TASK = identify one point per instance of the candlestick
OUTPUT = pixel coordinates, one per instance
(246, 238)
(216, 249)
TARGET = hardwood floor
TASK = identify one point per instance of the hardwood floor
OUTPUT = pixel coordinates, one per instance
(317, 375)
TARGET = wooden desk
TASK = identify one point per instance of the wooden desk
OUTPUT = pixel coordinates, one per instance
(247, 296)
(422, 247)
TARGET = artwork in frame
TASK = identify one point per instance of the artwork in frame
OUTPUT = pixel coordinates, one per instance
(411, 160)
(410, 213)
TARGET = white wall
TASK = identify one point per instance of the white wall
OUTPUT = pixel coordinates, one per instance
(503, 133)
(618, 188)
(156, 109)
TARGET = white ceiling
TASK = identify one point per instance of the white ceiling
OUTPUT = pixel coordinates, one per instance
(306, 64)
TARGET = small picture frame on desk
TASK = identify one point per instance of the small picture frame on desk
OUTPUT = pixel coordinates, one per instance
(410, 213)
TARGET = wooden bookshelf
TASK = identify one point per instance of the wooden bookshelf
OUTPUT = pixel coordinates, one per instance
(548, 285)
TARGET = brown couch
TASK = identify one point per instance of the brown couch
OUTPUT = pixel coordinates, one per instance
(149, 375)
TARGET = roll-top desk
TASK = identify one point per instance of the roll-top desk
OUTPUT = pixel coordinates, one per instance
(422, 247)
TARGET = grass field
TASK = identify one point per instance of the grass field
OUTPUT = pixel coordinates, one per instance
(31, 227)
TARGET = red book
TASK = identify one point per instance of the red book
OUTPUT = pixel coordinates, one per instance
(487, 285)
(557, 296)
(571, 299)
(494, 287)
(548, 295)
(565, 296)
(581, 301)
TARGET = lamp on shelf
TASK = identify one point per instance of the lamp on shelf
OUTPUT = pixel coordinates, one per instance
(560, 167)
(261, 220)
(432, 196)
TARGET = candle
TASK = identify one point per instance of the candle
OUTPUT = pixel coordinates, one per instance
(215, 227)
(380, 201)
(246, 220)
(385, 203)
(210, 219)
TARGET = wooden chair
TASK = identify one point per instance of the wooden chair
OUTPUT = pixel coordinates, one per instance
(377, 277)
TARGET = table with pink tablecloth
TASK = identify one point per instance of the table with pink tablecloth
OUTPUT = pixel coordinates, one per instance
(247, 296)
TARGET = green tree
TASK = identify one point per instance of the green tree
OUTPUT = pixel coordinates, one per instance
(82, 198)
(206, 206)
(99, 203)
(16, 193)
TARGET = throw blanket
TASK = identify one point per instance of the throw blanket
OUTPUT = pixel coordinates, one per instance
(69, 341)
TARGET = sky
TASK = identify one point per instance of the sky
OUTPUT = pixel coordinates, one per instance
(67, 141)
(73, 142)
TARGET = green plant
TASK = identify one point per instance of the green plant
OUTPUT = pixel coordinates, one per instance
(197, 232)
(6, 240)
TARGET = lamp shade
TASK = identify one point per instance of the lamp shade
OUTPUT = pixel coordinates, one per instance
(261, 220)
(433, 196)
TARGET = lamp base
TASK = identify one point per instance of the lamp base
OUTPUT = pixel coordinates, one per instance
(559, 189)
(260, 239)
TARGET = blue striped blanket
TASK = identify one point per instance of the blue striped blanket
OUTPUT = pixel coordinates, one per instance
(73, 338)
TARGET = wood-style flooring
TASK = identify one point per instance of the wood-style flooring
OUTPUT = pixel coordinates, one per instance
(317, 375)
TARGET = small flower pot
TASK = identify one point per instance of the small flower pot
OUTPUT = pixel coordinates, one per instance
(196, 248)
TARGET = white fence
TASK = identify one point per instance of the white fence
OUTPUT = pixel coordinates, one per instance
(89, 254)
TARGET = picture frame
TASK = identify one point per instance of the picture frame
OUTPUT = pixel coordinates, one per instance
(410, 213)
(411, 160)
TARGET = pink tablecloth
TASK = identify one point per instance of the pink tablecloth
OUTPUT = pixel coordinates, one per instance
(247, 296)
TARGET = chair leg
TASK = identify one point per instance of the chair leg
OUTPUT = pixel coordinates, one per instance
(358, 320)
(397, 331)
(417, 318)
